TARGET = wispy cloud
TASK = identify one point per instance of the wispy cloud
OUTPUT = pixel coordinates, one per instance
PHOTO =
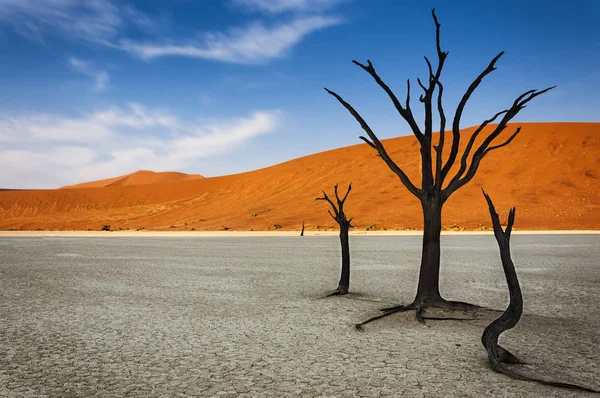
(91, 20)
(46, 151)
(279, 6)
(256, 43)
(100, 77)
(106, 22)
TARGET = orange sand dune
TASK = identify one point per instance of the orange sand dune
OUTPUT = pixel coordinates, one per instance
(141, 177)
(550, 173)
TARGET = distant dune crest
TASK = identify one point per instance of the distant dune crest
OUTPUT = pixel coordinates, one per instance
(140, 177)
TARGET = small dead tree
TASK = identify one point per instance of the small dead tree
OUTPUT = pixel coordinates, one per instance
(302, 232)
(340, 217)
(437, 185)
(497, 355)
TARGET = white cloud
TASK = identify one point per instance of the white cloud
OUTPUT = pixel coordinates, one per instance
(136, 116)
(100, 77)
(105, 22)
(91, 20)
(279, 6)
(46, 151)
(253, 44)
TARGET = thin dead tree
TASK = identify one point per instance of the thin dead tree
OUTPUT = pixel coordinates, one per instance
(437, 185)
(340, 217)
(302, 232)
(497, 355)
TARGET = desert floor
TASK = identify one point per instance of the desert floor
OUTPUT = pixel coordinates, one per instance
(243, 316)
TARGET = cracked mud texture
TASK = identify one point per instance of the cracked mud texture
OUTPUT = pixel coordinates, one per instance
(243, 317)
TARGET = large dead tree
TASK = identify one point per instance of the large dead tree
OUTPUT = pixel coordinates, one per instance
(497, 355)
(437, 185)
(340, 217)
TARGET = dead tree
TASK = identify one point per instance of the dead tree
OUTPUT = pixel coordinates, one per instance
(511, 316)
(302, 232)
(340, 217)
(437, 185)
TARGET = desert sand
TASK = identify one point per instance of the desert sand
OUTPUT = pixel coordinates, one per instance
(549, 172)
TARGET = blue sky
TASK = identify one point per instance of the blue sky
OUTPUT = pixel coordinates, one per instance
(98, 88)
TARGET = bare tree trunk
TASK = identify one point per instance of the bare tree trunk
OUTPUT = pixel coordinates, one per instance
(345, 277)
(428, 293)
(511, 316)
(302, 232)
(340, 217)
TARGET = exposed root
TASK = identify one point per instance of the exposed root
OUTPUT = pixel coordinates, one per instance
(432, 318)
(419, 315)
(506, 357)
(420, 309)
(453, 305)
(336, 292)
(400, 308)
(442, 304)
(501, 368)
(394, 308)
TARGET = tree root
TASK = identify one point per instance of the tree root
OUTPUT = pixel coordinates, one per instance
(433, 318)
(498, 366)
(420, 310)
(387, 312)
(506, 356)
(336, 292)
(457, 305)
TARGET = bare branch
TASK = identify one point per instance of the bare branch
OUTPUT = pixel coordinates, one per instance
(405, 113)
(508, 141)
(459, 110)
(422, 96)
(463, 102)
(440, 147)
(428, 97)
(357, 116)
(484, 148)
(434, 77)
(431, 75)
(437, 31)
(510, 222)
(421, 84)
(338, 211)
(498, 231)
(534, 94)
(465, 155)
(494, 215)
(332, 216)
(347, 192)
(325, 197)
(516, 107)
(379, 146)
(335, 191)
(407, 93)
(368, 142)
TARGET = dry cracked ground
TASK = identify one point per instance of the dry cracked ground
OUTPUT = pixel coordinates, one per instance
(243, 317)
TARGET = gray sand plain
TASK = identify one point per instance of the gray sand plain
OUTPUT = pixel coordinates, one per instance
(243, 316)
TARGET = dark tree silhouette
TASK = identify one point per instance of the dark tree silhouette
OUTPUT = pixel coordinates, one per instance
(302, 232)
(340, 217)
(511, 316)
(436, 184)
